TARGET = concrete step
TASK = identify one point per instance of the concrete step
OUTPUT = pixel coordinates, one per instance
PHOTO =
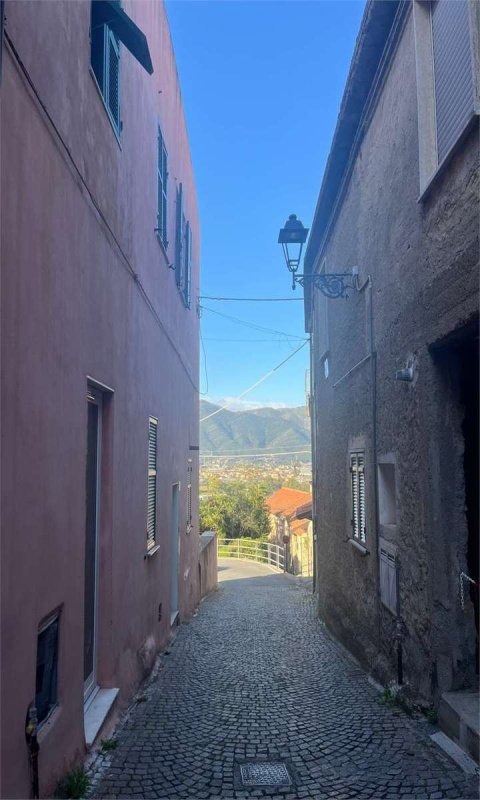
(459, 717)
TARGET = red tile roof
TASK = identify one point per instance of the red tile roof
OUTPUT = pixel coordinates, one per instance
(286, 501)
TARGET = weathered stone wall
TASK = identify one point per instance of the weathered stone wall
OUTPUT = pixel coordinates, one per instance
(422, 259)
(207, 563)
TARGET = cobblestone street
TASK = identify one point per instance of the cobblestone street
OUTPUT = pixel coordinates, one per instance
(254, 677)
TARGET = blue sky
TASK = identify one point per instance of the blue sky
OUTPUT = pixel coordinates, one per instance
(261, 84)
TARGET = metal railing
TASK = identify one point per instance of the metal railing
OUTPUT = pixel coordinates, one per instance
(262, 552)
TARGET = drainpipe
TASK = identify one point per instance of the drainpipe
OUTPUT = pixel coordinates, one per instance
(398, 630)
(31, 730)
(367, 284)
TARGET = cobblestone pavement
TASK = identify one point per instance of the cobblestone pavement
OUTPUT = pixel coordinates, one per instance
(255, 677)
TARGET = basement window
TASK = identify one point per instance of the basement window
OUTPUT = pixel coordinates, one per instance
(387, 500)
(47, 668)
(388, 580)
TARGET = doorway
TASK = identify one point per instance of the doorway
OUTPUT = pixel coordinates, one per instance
(92, 494)
(468, 355)
(175, 552)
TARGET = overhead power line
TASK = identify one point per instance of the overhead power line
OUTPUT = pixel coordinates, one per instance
(253, 299)
(259, 455)
(253, 325)
(254, 385)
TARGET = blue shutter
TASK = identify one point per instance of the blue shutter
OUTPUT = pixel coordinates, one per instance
(179, 237)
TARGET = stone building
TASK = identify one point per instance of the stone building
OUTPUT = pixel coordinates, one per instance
(395, 366)
(290, 514)
(99, 333)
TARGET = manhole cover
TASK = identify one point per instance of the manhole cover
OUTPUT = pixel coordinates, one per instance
(265, 773)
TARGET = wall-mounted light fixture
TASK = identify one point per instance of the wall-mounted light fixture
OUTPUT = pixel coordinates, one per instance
(292, 237)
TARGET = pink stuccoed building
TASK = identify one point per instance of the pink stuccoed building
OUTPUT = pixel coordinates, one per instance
(99, 336)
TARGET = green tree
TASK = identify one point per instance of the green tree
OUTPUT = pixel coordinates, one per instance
(235, 510)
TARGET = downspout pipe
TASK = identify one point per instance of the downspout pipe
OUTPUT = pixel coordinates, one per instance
(368, 286)
(31, 736)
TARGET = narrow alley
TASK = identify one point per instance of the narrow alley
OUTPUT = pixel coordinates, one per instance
(254, 678)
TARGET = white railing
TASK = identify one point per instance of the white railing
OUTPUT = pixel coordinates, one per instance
(263, 552)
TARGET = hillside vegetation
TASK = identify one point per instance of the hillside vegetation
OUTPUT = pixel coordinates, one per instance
(273, 429)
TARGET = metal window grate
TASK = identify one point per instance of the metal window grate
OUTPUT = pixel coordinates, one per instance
(357, 471)
(388, 580)
(47, 667)
(152, 482)
(113, 76)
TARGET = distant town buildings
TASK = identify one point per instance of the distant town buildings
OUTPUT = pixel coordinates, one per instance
(394, 389)
(100, 260)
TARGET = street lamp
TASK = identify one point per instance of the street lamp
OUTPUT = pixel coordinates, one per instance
(292, 237)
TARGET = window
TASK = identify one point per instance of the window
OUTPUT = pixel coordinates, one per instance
(357, 472)
(179, 237)
(445, 79)
(388, 579)
(387, 500)
(452, 69)
(187, 266)
(162, 176)
(105, 61)
(152, 483)
(47, 665)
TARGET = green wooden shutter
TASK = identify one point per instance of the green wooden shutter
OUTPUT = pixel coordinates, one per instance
(179, 237)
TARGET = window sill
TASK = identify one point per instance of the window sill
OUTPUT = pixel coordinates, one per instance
(425, 191)
(163, 248)
(46, 726)
(97, 87)
(360, 547)
(151, 551)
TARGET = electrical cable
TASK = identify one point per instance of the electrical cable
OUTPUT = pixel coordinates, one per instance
(259, 455)
(257, 383)
(253, 325)
(97, 208)
(220, 339)
(253, 299)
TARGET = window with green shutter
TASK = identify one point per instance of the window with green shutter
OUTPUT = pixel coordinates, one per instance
(105, 62)
(162, 176)
(179, 238)
(152, 483)
(187, 266)
(357, 473)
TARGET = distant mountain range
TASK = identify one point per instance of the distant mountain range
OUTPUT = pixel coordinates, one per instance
(238, 432)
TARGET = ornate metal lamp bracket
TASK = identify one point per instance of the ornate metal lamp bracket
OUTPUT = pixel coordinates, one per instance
(332, 285)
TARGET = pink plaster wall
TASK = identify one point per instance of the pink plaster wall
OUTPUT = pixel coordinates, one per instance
(71, 309)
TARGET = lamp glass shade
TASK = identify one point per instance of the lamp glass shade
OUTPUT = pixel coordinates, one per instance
(293, 232)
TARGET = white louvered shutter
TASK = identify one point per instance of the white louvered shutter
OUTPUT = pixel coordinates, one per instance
(452, 62)
(152, 483)
(357, 471)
